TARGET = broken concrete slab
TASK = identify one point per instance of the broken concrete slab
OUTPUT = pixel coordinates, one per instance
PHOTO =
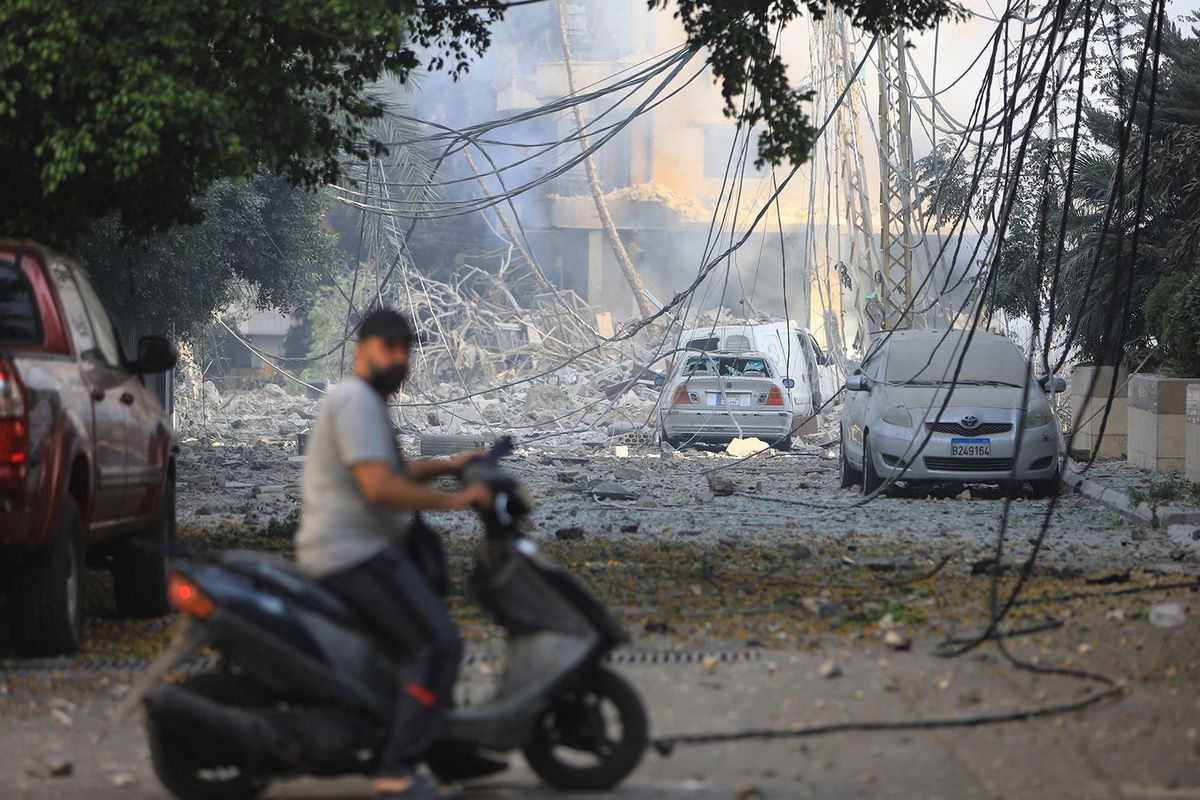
(607, 490)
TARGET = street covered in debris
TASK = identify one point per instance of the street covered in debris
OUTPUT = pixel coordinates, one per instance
(748, 612)
(661, 400)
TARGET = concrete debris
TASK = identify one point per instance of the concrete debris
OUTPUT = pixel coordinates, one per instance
(820, 606)
(569, 534)
(1112, 576)
(55, 768)
(606, 490)
(1167, 615)
(896, 640)
(721, 486)
(1184, 534)
(742, 448)
(829, 669)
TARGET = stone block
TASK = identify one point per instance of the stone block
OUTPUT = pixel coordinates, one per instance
(1087, 411)
(1191, 435)
(1156, 421)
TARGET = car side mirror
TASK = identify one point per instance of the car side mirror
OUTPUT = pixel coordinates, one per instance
(858, 383)
(660, 381)
(1052, 385)
(788, 383)
(155, 354)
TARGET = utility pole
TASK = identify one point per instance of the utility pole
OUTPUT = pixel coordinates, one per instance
(897, 203)
(864, 256)
(606, 221)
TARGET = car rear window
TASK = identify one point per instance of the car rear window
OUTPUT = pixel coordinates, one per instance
(727, 367)
(19, 322)
(711, 343)
(935, 361)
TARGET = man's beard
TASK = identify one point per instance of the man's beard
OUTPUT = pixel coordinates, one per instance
(386, 380)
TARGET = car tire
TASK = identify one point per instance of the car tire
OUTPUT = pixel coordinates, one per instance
(669, 441)
(870, 480)
(783, 445)
(849, 476)
(1047, 488)
(142, 564)
(45, 597)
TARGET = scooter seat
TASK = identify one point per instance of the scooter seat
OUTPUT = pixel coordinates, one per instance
(297, 587)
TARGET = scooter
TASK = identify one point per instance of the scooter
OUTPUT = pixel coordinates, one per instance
(302, 687)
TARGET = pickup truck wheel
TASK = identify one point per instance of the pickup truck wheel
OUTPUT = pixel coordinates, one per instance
(45, 598)
(142, 565)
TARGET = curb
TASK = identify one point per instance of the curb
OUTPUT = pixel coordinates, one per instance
(1117, 501)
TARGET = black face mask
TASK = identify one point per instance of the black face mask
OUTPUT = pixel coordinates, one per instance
(388, 379)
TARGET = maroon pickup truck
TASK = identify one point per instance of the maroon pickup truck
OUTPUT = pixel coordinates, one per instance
(87, 455)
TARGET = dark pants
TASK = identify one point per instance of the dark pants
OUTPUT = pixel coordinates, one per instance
(392, 595)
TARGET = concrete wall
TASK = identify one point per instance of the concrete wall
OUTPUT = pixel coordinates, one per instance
(1191, 437)
(1157, 415)
(1087, 411)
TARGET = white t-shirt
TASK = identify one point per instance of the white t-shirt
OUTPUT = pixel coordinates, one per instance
(338, 527)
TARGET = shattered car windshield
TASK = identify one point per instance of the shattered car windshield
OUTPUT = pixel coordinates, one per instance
(987, 363)
(727, 367)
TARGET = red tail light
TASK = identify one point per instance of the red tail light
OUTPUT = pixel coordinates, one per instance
(185, 596)
(775, 398)
(14, 428)
(681, 397)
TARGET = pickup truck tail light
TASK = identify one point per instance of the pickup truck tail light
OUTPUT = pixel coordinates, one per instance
(682, 397)
(775, 397)
(14, 427)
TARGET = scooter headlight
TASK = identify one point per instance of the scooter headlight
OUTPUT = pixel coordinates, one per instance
(898, 415)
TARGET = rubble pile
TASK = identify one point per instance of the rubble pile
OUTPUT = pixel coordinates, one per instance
(267, 415)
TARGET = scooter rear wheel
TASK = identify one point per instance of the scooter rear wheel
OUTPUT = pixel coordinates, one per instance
(593, 736)
(191, 771)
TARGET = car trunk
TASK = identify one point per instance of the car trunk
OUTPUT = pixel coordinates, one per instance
(713, 391)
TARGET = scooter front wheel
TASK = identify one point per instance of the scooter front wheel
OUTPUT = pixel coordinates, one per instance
(191, 771)
(592, 737)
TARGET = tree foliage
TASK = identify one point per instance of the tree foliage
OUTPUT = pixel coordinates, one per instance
(741, 37)
(261, 236)
(137, 107)
(1103, 292)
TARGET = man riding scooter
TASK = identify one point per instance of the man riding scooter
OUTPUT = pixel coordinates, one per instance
(359, 497)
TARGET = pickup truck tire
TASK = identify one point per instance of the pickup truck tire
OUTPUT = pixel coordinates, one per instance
(45, 597)
(142, 565)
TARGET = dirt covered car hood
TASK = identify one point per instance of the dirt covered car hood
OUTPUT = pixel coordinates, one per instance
(961, 397)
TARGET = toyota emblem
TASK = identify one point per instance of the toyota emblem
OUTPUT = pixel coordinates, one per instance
(970, 421)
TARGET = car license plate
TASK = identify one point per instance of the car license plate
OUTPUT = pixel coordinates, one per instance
(728, 399)
(970, 447)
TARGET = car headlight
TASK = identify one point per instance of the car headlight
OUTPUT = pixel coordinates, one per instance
(898, 415)
(1037, 414)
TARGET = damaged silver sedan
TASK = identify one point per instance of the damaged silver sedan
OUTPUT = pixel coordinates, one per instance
(937, 406)
(713, 398)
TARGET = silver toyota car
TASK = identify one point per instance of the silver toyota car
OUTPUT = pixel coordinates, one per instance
(716, 397)
(996, 425)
